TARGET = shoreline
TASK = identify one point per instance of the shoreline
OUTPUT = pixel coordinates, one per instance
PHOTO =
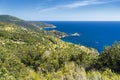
(61, 34)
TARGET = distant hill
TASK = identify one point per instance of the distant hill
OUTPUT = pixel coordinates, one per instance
(25, 24)
(41, 24)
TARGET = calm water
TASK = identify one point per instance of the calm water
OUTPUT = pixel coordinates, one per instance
(92, 34)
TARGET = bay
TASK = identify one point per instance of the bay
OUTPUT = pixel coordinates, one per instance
(95, 34)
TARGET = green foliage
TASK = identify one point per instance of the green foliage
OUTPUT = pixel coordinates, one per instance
(10, 66)
(5, 75)
(110, 58)
(72, 71)
(37, 55)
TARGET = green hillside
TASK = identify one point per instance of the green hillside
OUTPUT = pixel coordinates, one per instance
(26, 54)
(37, 50)
(25, 24)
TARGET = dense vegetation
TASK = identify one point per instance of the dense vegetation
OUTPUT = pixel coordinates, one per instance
(110, 58)
(39, 55)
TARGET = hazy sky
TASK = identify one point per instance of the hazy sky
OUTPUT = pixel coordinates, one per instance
(62, 10)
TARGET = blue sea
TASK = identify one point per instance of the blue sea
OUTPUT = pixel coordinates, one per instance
(92, 34)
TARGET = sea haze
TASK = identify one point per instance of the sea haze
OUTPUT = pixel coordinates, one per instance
(92, 34)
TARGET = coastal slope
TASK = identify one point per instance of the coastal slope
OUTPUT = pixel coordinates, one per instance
(23, 23)
(28, 54)
(37, 51)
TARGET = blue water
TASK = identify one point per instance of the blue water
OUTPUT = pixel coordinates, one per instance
(92, 34)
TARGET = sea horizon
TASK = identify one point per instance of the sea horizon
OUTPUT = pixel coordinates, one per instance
(68, 21)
